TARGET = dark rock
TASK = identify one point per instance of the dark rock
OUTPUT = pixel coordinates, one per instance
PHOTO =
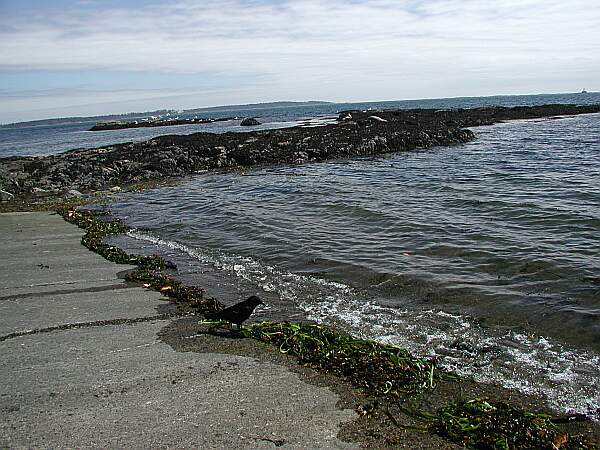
(74, 193)
(115, 125)
(249, 122)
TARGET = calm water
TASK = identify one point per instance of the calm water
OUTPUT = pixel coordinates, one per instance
(485, 256)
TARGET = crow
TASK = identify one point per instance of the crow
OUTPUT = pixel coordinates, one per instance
(237, 313)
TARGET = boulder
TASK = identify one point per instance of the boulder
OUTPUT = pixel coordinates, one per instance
(74, 193)
(249, 122)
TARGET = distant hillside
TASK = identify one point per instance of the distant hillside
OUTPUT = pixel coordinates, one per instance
(135, 115)
(64, 120)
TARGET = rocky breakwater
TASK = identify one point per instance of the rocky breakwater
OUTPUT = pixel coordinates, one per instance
(357, 133)
(116, 125)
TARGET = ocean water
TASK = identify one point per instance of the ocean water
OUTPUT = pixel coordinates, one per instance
(484, 256)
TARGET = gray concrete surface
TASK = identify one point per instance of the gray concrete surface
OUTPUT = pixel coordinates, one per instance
(117, 386)
(41, 251)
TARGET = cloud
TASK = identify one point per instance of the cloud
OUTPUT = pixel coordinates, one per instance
(336, 49)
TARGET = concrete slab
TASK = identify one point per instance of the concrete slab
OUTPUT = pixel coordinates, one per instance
(120, 387)
(41, 252)
(64, 287)
(51, 310)
(69, 278)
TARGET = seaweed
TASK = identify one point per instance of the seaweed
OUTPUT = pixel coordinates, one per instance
(390, 374)
(169, 286)
(484, 424)
(96, 229)
(379, 369)
(149, 271)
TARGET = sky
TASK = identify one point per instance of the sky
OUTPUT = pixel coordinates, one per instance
(88, 57)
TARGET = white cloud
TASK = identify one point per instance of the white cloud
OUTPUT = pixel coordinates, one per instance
(340, 50)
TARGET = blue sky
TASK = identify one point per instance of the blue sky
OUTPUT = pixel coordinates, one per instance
(83, 57)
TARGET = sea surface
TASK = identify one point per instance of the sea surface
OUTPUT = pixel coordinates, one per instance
(484, 256)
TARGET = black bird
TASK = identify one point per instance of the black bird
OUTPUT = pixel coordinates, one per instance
(237, 313)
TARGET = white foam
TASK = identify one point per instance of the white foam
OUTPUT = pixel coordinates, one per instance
(569, 379)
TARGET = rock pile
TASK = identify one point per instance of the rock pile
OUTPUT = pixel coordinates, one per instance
(249, 122)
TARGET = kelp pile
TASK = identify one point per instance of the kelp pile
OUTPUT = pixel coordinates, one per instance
(389, 373)
(96, 230)
(149, 269)
(483, 424)
(377, 368)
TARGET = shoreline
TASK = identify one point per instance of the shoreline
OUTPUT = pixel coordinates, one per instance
(84, 364)
(30, 180)
(382, 418)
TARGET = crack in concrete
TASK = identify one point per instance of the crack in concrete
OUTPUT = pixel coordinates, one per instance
(97, 323)
(58, 283)
(68, 291)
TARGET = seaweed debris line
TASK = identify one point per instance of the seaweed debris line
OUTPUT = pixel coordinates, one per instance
(356, 133)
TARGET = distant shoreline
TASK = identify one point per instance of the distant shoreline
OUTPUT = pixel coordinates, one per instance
(117, 125)
(160, 112)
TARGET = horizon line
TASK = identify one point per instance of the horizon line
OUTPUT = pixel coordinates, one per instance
(293, 102)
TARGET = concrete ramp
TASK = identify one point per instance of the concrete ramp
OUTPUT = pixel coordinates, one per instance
(81, 364)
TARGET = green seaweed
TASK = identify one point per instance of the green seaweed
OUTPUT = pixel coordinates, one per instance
(96, 230)
(379, 369)
(189, 295)
(149, 270)
(484, 424)
(391, 374)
